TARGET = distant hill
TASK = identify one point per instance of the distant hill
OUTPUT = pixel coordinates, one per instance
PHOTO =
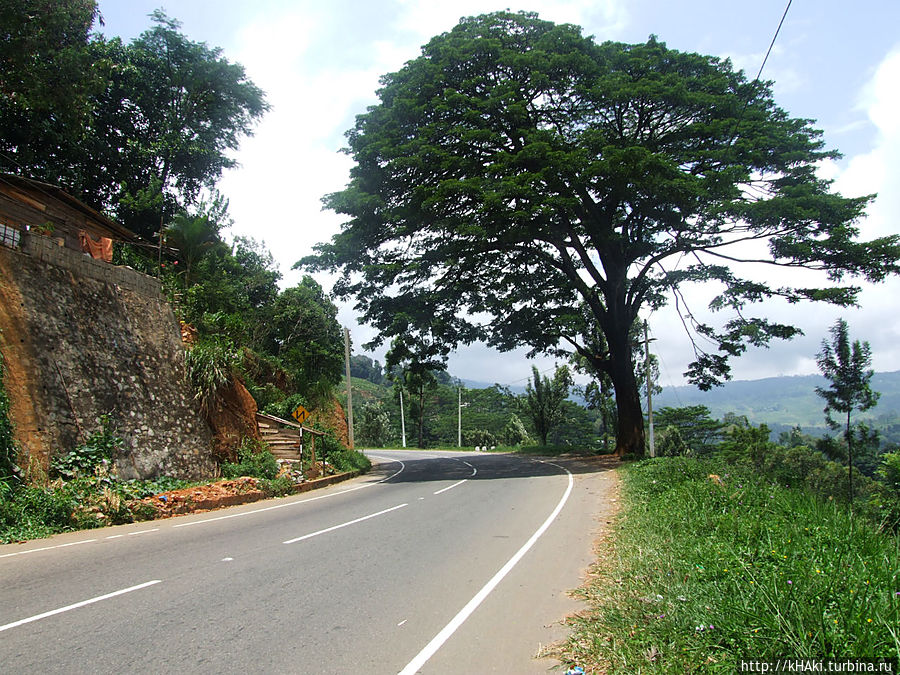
(783, 402)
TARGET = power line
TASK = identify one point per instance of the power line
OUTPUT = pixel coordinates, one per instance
(772, 44)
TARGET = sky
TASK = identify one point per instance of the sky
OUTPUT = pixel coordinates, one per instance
(837, 63)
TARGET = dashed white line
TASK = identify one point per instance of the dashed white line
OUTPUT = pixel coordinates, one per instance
(53, 612)
(46, 548)
(131, 534)
(337, 527)
(450, 487)
(402, 622)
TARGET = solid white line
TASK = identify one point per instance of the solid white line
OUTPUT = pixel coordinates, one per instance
(450, 487)
(77, 605)
(281, 506)
(337, 527)
(46, 548)
(438, 640)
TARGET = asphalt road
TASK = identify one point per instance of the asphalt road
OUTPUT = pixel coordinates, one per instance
(432, 563)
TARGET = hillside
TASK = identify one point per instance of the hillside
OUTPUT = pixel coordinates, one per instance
(784, 402)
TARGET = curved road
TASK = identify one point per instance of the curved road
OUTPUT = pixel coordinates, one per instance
(435, 562)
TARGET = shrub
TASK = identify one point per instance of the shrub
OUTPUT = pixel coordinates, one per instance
(36, 512)
(286, 406)
(889, 471)
(209, 365)
(276, 487)
(254, 459)
(84, 460)
(514, 433)
(479, 438)
(670, 443)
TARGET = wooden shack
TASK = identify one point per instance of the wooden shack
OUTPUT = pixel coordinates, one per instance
(30, 206)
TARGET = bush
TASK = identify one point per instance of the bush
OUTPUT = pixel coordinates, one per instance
(889, 471)
(276, 487)
(84, 460)
(209, 365)
(670, 443)
(479, 438)
(254, 459)
(349, 460)
(36, 512)
(514, 433)
(286, 406)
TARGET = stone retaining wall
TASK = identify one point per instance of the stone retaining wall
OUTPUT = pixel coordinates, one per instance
(83, 339)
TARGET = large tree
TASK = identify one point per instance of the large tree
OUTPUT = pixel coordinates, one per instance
(137, 129)
(47, 81)
(518, 170)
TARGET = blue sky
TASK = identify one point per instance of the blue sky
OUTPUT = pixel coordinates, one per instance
(835, 62)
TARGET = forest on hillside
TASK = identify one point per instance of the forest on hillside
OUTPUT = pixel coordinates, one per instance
(783, 403)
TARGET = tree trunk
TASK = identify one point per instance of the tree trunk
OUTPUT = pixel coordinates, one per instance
(849, 438)
(630, 423)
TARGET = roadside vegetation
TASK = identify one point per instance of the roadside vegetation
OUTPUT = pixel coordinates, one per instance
(82, 490)
(751, 551)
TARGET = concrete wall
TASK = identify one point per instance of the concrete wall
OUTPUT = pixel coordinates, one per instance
(83, 338)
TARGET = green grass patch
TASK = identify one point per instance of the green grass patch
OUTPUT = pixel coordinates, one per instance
(711, 563)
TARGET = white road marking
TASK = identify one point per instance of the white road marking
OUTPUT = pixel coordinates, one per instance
(115, 536)
(131, 534)
(46, 548)
(438, 640)
(281, 506)
(53, 612)
(402, 622)
(349, 522)
(227, 559)
(450, 487)
(474, 470)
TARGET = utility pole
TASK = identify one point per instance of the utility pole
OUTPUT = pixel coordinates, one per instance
(402, 418)
(349, 388)
(649, 390)
(459, 425)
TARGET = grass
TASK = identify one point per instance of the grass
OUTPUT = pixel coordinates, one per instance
(706, 570)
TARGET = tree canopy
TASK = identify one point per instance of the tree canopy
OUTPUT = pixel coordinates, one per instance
(136, 129)
(531, 187)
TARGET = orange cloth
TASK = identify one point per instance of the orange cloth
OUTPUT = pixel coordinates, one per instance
(101, 250)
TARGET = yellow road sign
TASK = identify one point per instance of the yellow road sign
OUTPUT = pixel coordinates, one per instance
(300, 414)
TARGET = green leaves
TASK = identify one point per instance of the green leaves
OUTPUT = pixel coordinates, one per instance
(848, 368)
(544, 399)
(518, 169)
(105, 120)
